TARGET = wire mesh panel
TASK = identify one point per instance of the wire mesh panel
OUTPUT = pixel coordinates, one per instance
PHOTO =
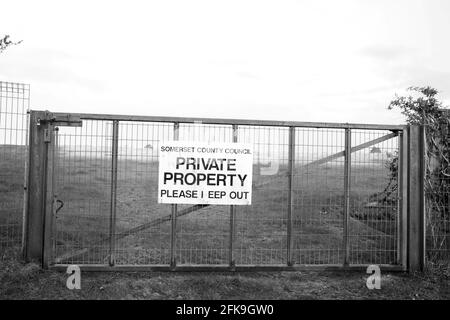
(142, 226)
(14, 104)
(318, 196)
(202, 237)
(437, 196)
(261, 227)
(374, 199)
(438, 221)
(83, 190)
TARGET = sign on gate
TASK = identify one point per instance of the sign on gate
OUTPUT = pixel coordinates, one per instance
(205, 173)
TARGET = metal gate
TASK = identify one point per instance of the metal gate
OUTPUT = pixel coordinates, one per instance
(325, 195)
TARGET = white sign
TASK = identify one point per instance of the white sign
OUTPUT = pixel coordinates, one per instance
(205, 173)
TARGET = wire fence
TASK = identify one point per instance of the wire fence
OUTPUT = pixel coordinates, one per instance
(14, 103)
(437, 200)
(111, 216)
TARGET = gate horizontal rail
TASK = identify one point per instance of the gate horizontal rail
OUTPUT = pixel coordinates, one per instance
(225, 268)
(239, 122)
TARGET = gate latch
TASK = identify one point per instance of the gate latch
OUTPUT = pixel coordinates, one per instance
(61, 205)
(47, 137)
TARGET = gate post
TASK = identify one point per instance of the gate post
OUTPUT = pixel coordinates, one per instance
(37, 222)
(416, 198)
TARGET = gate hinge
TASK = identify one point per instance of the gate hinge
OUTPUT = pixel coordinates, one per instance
(62, 120)
(46, 117)
(67, 120)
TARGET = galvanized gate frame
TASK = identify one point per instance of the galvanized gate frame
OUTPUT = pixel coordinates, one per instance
(40, 203)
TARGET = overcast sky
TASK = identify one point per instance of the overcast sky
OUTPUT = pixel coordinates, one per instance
(339, 61)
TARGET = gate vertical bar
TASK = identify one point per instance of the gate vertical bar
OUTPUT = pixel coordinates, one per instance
(112, 222)
(232, 214)
(55, 187)
(291, 166)
(347, 177)
(399, 197)
(47, 187)
(173, 261)
(404, 193)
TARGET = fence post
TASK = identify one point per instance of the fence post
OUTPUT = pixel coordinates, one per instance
(233, 215)
(347, 179)
(173, 261)
(112, 217)
(291, 167)
(416, 198)
(40, 137)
